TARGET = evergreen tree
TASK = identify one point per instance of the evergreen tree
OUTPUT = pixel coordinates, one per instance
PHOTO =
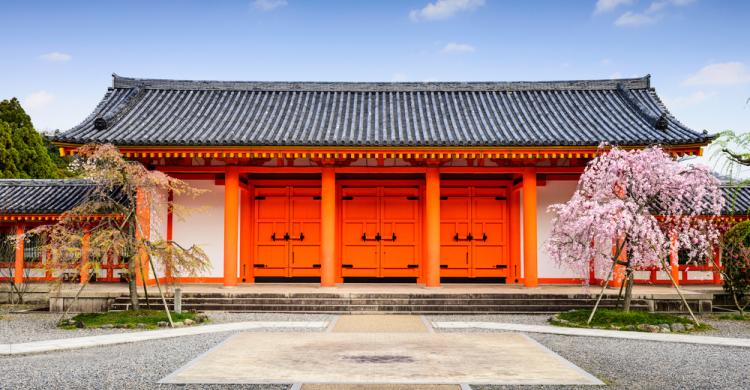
(23, 152)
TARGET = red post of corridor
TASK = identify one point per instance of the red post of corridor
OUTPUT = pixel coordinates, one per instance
(18, 266)
(231, 220)
(328, 228)
(529, 228)
(432, 230)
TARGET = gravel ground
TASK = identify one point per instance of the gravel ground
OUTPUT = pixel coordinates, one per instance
(630, 364)
(37, 326)
(131, 366)
(622, 364)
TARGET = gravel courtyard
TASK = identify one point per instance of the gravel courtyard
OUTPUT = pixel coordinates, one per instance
(622, 364)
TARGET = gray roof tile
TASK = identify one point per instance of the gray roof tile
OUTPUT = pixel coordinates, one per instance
(569, 113)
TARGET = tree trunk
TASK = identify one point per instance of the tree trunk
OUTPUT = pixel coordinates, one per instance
(131, 285)
(628, 291)
(740, 308)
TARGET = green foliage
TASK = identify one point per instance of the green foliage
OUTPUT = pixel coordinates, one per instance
(606, 317)
(24, 153)
(129, 318)
(735, 258)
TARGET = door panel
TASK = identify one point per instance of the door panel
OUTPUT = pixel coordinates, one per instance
(304, 240)
(489, 227)
(400, 220)
(455, 214)
(359, 228)
(272, 214)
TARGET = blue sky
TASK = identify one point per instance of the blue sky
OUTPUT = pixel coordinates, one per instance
(58, 56)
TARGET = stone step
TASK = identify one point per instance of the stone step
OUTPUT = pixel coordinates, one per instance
(334, 308)
(446, 300)
(387, 296)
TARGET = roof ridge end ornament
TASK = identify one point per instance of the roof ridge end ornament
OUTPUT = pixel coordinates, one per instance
(658, 121)
(109, 118)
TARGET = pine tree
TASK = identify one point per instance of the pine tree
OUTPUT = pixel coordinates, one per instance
(23, 152)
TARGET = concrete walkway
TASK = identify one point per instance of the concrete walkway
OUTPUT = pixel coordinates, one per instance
(130, 337)
(663, 337)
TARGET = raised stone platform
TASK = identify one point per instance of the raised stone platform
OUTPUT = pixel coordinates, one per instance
(385, 298)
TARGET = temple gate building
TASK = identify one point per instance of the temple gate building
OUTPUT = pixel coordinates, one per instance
(423, 182)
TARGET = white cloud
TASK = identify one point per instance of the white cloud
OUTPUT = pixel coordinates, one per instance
(655, 11)
(603, 6)
(37, 101)
(616, 75)
(457, 48)
(720, 74)
(444, 9)
(633, 19)
(691, 100)
(56, 56)
(268, 5)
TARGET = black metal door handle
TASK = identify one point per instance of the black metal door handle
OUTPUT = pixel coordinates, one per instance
(378, 237)
(393, 237)
(469, 237)
(273, 236)
(301, 237)
(484, 236)
(364, 236)
(286, 236)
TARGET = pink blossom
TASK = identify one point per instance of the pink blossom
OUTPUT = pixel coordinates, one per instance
(643, 197)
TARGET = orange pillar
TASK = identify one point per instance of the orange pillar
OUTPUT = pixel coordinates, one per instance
(717, 265)
(515, 236)
(18, 266)
(231, 219)
(328, 228)
(432, 227)
(245, 229)
(529, 228)
(618, 275)
(142, 231)
(85, 255)
(674, 266)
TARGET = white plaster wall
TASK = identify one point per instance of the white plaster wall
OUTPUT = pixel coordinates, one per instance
(558, 191)
(158, 221)
(204, 223)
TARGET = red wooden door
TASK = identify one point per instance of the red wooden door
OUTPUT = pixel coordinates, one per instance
(380, 232)
(399, 229)
(474, 232)
(271, 226)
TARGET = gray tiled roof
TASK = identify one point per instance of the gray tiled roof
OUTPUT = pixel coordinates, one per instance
(42, 196)
(737, 200)
(177, 112)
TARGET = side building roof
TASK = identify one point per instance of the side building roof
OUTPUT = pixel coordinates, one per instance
(42, 196)
(152, 112)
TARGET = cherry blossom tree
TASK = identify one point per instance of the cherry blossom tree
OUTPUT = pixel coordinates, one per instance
(107, 222)
(635, 204)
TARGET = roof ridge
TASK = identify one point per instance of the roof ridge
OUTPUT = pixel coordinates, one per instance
(324, 86)
(48, 182)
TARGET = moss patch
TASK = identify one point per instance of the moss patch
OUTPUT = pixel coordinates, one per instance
(620, 320)
(125, 319)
